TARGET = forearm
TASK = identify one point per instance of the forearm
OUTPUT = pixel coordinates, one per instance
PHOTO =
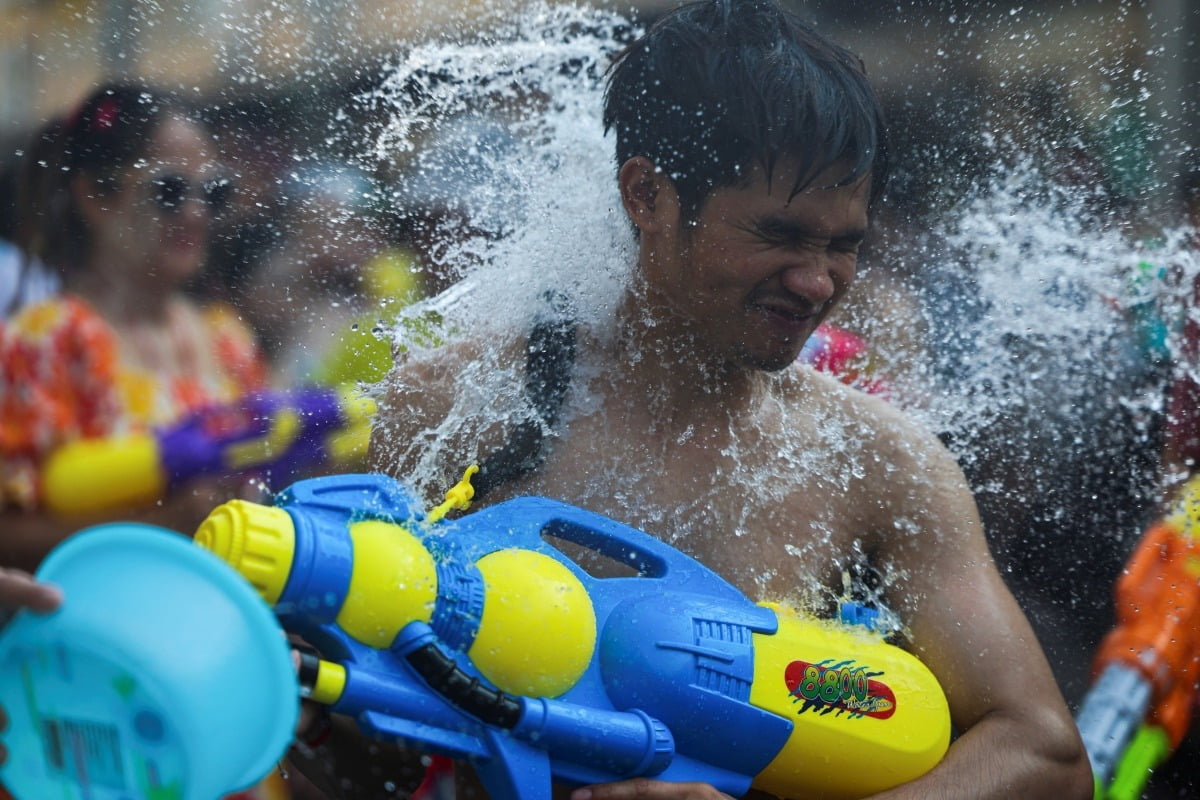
(1003, 757)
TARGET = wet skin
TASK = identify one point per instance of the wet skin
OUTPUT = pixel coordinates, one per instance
(690, 423)
(758, 269)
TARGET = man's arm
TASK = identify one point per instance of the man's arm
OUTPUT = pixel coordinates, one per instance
(1017, 736)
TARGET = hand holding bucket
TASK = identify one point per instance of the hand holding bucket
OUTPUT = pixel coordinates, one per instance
(162, 676)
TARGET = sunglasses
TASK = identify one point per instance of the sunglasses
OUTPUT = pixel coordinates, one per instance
(170, 192)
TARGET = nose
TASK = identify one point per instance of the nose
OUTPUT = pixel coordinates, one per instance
(195, 211)
(817, 279)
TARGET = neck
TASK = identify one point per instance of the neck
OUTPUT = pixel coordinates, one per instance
(660, 361)
(119, 299)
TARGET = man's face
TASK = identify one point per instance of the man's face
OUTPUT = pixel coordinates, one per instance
(758, 270)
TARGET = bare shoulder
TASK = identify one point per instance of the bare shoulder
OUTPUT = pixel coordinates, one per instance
(886, 430)
(911, 512)
(443, 405)
(904, 470)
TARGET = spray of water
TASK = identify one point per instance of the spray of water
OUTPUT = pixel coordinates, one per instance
(1032, 310)
(1062, 316)
(511, 127)
(501, 133)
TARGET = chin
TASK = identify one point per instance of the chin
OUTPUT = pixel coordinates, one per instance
(768, 362)
(181, 268)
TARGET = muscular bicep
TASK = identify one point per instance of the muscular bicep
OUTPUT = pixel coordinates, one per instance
(964, 623)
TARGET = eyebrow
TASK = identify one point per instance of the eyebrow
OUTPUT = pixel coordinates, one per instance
(787, 228)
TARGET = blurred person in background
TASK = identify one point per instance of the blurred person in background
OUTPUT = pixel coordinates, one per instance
(121, 204)
(309, 292)
(23, 277)
(344, 259)
(124, 217)
(252, 225)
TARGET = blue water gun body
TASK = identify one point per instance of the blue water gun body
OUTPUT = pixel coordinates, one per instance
(480, 638)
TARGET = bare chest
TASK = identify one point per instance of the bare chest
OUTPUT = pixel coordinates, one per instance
(775, 519)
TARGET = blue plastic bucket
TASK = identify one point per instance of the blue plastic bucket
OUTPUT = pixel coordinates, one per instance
(163, 676)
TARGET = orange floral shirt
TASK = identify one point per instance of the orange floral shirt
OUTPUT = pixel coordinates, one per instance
(61, 379)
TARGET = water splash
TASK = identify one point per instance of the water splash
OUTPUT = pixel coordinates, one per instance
(1046, 288)
(1060, 314)
(1033, 353)
(498, 138)
(530, 169)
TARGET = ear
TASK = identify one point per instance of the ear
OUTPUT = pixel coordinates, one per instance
(648, 196)
(88, 198)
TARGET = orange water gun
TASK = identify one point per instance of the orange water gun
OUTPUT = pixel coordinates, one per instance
(1141, 703)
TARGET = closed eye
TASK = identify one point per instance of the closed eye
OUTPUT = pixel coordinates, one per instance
(846, 244)
(785, 233)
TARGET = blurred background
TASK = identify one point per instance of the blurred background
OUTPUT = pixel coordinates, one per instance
(1101, 94)
(1113, 67)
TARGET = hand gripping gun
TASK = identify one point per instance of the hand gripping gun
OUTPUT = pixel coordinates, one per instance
(1141, 703)
(480, 639)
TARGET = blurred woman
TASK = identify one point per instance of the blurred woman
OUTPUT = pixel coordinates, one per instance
(124, 215)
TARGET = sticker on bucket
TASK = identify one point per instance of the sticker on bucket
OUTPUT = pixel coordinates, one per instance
(102, 733)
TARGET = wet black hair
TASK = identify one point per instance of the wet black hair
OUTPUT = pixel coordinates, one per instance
(114, 125)
(109, 130)
(36, 195)
(714, 86)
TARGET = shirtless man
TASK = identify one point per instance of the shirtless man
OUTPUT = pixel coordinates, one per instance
(750, 150)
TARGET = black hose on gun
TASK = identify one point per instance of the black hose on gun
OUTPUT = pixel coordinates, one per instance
(490, 706)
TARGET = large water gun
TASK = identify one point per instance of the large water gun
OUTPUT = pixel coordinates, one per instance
(275, 432)
(1141, 703)
(480, 638)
